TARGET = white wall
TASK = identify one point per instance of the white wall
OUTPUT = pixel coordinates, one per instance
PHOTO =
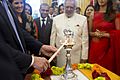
(35, 7)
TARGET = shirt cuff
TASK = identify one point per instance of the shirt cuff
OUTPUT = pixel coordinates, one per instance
(40, 51)
(32, 61)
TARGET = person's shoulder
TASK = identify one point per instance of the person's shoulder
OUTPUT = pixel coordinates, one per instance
(49, 19)
(59, 16)
(79, 16)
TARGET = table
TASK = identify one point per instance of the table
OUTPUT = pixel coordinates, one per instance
(112, 75)
(87, 73)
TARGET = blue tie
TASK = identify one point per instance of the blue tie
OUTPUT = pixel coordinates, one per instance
(12, 22)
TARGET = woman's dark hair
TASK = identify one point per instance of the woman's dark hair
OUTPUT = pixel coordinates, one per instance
(13, 0)
(109, 11)
(23, 15)
(87, 8)
(29, 7)
(59, 8)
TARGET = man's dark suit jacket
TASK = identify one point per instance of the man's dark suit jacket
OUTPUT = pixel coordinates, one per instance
(13, 62)
(44, 35)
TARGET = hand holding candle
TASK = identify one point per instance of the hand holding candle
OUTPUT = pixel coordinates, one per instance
(55, 54)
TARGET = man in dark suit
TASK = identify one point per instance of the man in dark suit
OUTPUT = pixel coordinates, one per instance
(14, 60)
(44, 24)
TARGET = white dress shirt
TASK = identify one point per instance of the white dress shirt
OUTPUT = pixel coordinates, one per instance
(42, 21)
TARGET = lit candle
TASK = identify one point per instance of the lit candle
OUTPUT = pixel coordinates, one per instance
(55, 54)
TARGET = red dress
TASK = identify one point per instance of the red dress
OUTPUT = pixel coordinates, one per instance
(102, 50)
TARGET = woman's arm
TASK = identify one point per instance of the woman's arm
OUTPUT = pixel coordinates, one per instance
(117, 23)
(99, 34)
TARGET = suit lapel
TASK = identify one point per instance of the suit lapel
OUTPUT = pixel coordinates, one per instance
(5, 18)
(2, 12)
(18, 28)
(38, 22)
(48, 23)
(48, 26)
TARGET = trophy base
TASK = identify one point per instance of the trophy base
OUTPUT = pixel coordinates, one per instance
(69, 76)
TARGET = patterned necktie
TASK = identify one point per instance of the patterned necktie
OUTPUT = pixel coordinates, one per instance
(43, 23)
(12, 22)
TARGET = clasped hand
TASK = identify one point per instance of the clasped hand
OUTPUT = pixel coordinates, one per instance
(98, 33)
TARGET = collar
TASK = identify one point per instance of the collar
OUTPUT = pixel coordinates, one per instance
(42, 18)
(44, 21)
(50, 14)
(69, 17)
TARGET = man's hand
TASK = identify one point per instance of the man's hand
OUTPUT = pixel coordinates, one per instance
(48, 50)
(41, 64)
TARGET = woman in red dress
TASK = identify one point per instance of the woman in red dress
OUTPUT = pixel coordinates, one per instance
(103, 34)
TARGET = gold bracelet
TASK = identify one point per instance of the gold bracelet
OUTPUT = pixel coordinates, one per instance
(100, 35)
